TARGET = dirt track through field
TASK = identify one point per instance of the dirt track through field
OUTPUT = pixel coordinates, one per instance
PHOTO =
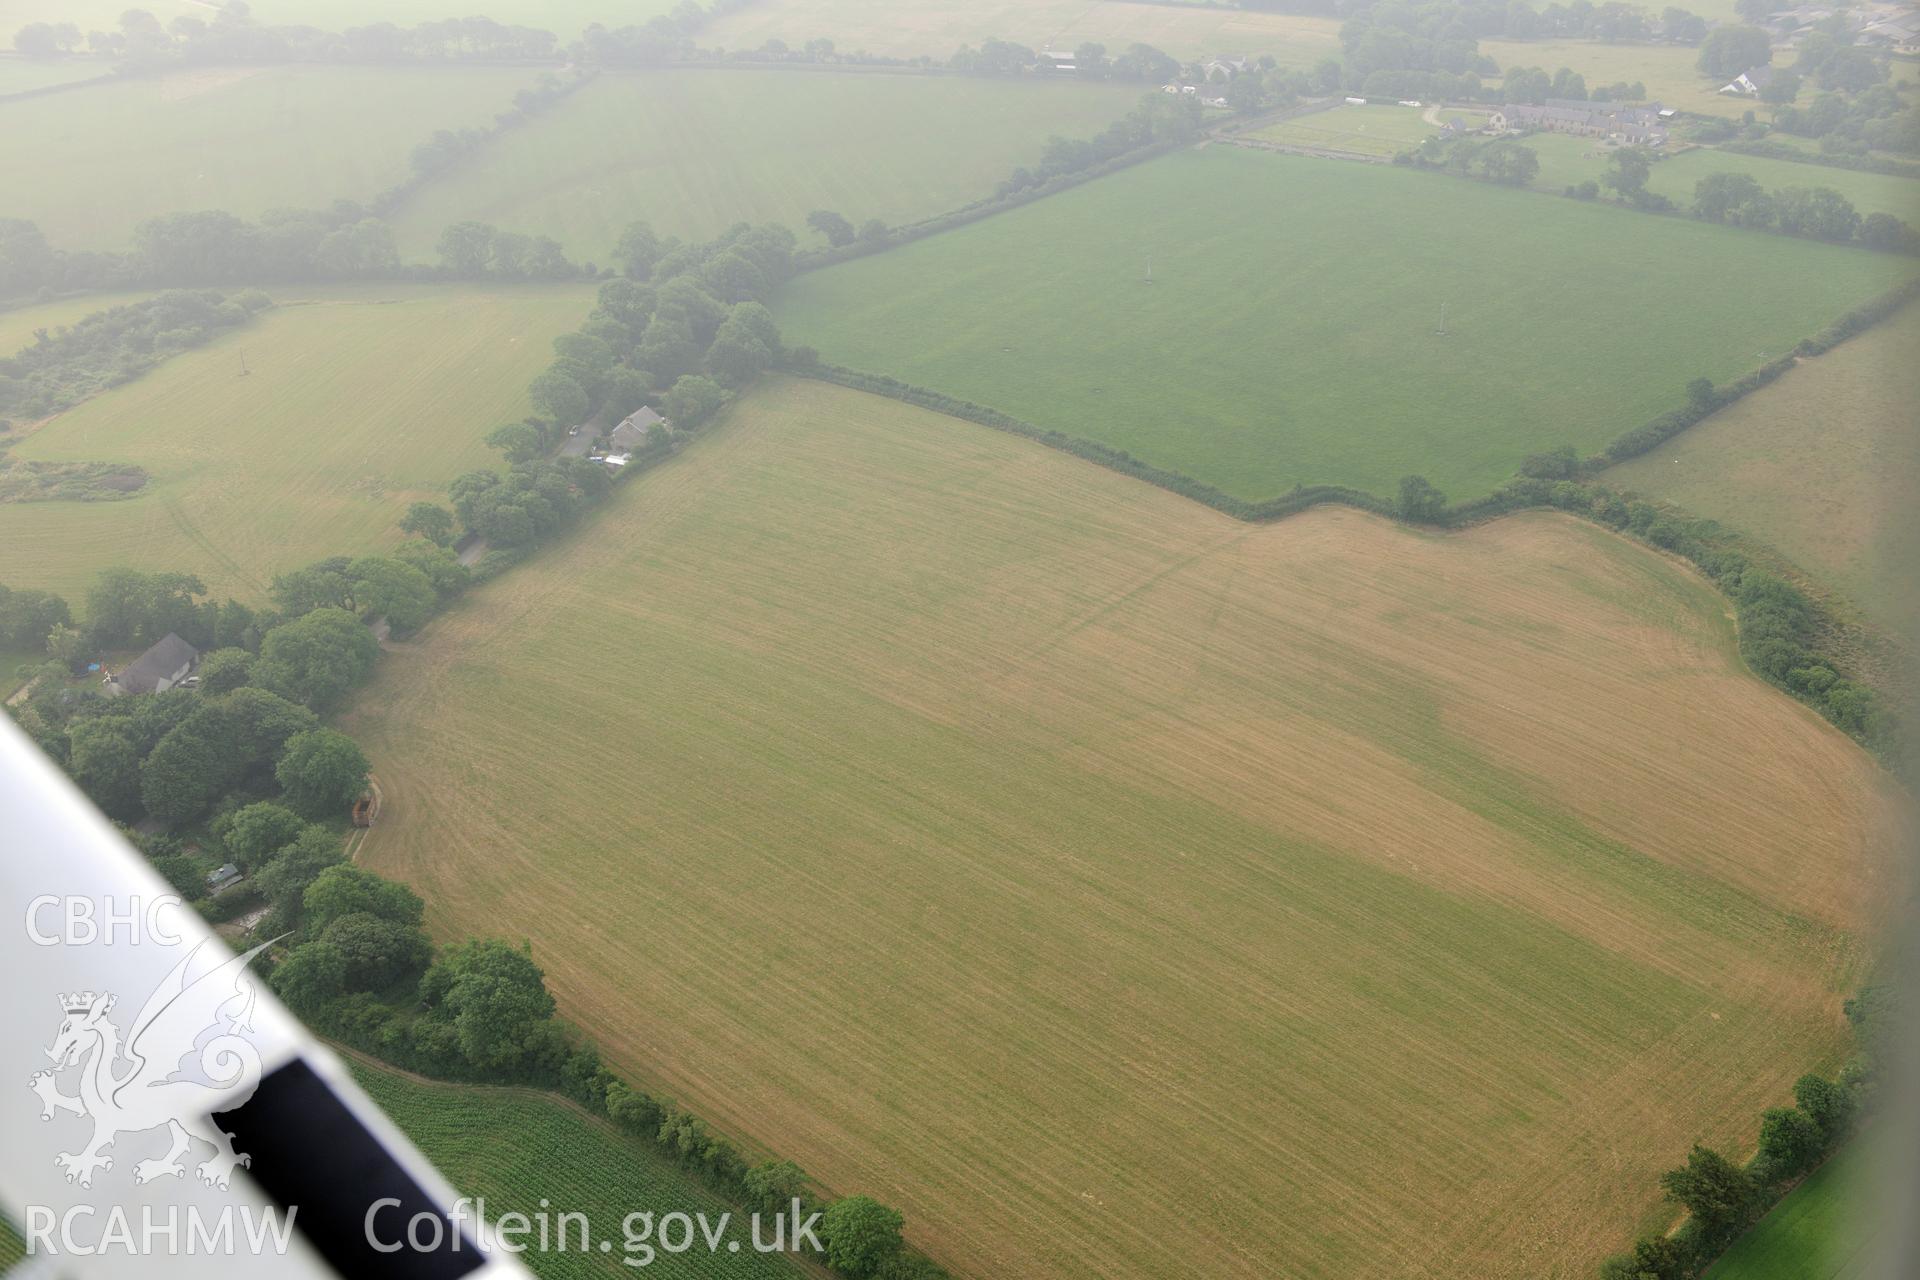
(1110, 884)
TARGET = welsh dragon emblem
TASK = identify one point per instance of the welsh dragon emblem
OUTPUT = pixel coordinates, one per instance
(183, 1055)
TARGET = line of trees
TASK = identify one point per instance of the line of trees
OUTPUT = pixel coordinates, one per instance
(141, 42)
(114, 346)
(362, 970)
(1786, 637)
(1723, 1198)
(1500, 160)
(1818, 212)
(344, 241)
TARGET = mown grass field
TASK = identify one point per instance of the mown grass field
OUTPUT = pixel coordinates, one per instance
(1288, 336)
(1372, 130)
(520, 1149)
(18, 324)
(935, 28)
(355, 405)
(1111, 884)
(1822, 465)
(1823, 1230)
(1565, 161)
(1667, 70)
(90, 165)
(17, 75)
(565, 18)
(695, 151)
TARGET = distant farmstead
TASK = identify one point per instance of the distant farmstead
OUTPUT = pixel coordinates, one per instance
(1610, 121)
(160, 668)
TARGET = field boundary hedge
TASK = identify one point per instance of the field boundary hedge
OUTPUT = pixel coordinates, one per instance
(1892, 168)
(1650, 435)
(1261, 512)
(815, 259)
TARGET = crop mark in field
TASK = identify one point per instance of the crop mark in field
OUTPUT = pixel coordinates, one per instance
(176, 511)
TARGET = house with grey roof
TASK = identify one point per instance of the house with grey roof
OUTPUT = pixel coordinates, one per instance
(632, 432)
(160, 668)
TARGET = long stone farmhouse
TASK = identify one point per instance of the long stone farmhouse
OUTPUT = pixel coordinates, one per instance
(1639, 125)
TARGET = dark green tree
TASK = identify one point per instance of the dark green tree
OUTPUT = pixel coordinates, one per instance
(861, 1235)
(1717, 1192)
(1729, 50)
(559, 397)
(692, 401)
(260, 830)
(774, 1185)
(1419, 500)
(494, 996)
(431, 521)
(348, 890)
(835, 228)
(321, 773)
(286, 875)
(1790, 1142)
(315, 659)
(638, 250)
(224, 670)
(312, 974)
(1828, 1105)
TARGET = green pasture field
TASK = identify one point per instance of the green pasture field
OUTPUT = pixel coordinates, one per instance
(19, 323)
(522, 1149)
(935, 28)
(1821, 1231)
(1289, 334)
(361, 401)
(693, 152)
(1667, 70)
(1566, 161)
(20, 74)
(1822, 464)
(565, 18)
(1365, 902)
(1373, 130)
(90, 165)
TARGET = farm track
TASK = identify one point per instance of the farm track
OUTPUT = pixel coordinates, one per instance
(1139, 851)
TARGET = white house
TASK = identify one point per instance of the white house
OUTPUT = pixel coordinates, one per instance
(1750, 82)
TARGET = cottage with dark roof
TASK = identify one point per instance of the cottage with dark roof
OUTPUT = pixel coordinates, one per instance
(160, 668)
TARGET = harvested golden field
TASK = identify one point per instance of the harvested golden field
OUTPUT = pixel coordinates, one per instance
(1821, 464)
(935, 28)
(1113, 885)
(356, 401)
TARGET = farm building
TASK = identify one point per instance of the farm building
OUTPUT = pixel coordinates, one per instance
(1612, 121)
(1901, 31)
(1750, 82)
(632, 432)
(160, 668)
